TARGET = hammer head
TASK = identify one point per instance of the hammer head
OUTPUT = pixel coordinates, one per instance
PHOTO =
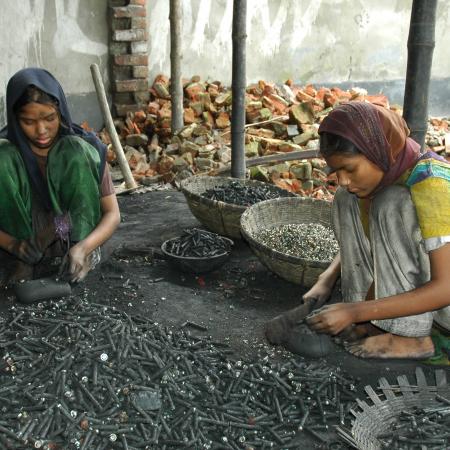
(41, 289)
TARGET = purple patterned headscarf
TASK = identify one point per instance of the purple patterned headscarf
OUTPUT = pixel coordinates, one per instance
(380, 134)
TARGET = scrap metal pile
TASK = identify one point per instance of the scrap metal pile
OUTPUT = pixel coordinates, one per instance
(238, 194)
(79, 375)
(280, 119)
(311, 241)
(198, 243)
(420, 428)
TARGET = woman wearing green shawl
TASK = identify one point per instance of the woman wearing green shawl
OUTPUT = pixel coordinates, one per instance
(54, 182)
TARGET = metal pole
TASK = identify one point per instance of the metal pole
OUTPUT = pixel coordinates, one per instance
(238, 89)
(176, 88)
(420, 58)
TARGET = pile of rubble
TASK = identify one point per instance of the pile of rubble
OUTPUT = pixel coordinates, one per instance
(280, 119)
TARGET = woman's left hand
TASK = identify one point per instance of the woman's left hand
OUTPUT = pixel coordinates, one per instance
(78, 264)
(332, 319)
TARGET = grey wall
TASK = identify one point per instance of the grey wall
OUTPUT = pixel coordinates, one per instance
(338, 42)
(63, 36)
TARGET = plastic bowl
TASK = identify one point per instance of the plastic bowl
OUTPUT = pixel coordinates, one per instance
(193, 264)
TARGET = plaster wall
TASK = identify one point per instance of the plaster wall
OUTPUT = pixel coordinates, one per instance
(62, 36)
(337, 42)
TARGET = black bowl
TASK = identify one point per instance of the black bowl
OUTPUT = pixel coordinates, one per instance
(194, 264)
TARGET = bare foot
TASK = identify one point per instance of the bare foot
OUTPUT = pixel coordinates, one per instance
(388, 345)
(357, 332)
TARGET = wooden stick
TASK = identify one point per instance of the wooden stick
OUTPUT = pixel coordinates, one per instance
(276, 157)
(130, 182)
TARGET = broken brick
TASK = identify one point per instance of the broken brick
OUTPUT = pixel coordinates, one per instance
(302, 113)
(193, 90)
(223, 120)
(208, 118)
(153, 107)
(189, 115)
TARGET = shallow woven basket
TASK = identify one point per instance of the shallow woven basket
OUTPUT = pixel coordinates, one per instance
(383, 408)
(220, 217)
(285, 211)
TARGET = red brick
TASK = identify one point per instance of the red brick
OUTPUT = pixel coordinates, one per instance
(153, 107)
(193, 90)
(163, 79)
(131, 60)
(189, 116)
(131, 85)
(310, 90)
(330, 99)
(139, 22)
(223, 120)
(165, 112)
(140, 72)
(129, 11)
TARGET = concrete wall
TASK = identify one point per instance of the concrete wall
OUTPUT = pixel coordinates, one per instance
(63, 36)
(360, 42)
(337, 42)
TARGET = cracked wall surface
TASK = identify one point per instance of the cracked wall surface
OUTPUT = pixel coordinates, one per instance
(362, 42)
(63, 36)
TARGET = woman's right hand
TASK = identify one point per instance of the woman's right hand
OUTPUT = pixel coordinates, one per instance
(26, 250)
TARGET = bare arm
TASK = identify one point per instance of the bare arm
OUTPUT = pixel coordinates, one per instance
(106, 227)
(323, 287)
(78, 254)
(6, 241)
(431, 296)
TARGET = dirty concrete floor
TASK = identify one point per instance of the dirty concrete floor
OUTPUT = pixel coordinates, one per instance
(232, 303)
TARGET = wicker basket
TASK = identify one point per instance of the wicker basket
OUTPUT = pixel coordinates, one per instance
(284, 211)
(222, 218)
(375, 415)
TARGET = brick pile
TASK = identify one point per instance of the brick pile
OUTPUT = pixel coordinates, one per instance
(280, 119)
(129, 55)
